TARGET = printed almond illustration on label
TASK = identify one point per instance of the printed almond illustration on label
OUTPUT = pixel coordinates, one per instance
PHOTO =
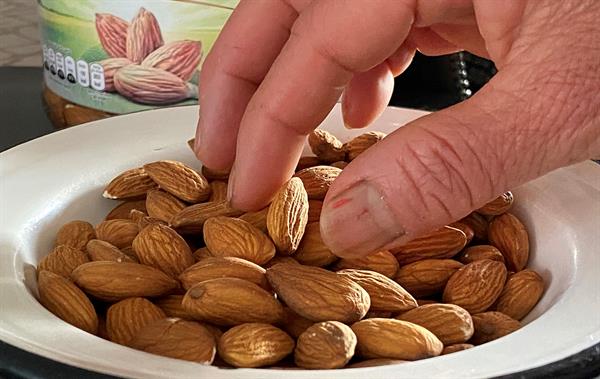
(143, 36)
(112, 33)
(179, 57)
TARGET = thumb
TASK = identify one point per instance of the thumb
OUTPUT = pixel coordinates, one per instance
(440, 167)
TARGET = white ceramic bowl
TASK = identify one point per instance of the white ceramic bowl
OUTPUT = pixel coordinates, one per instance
(58, 178)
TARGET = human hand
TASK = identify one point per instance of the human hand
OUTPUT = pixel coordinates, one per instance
(279, 67)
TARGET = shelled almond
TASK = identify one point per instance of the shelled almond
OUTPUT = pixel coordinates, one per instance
(174, 270)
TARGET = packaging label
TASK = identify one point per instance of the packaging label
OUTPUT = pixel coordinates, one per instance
(126, 56)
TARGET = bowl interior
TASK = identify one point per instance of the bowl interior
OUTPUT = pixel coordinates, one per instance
(60, 178)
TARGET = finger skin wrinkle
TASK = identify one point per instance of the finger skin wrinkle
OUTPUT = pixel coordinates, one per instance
(414, 186)
(276, 118)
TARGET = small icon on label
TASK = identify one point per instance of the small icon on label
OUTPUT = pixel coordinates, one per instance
(97, 76)
(83, 73)
(70, 69)
(53, 69)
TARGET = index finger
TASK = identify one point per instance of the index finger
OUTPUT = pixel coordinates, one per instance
(330, 41)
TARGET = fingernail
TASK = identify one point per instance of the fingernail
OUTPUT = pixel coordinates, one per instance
(358, 221)
(230, 184)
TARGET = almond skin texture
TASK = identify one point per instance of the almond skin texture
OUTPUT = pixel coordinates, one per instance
(340, 164)
(176, 338)
(358, 145)
(479, 252)
(314, 210)
(521, 293)
(190, 220)
(375, 362)
(123, 210)
(129, 184)
(287, 216)
(395, 339)
(427, 277)
(280, 259)
(325, 345)
(258, 219)
(312, 251)
(211, 174)
(75, 234)
(254, 345)
(317, 180)
(465, 229)
(202, 253)
(450, 323)
(306, 162)
(318, 294)
(117, 232)
(385, 294)
(113, 281)
(326, 146)
(125, 318)
(161, 247)
(499, 205)
(218, 191)
(231, 301)
(179, 180)
(476, 286)
(456, 347)
(162, 205)
(233, 237)
(171, 306)
(103, 251)
(293, 323)
(62, 260)
(223, 267)
(490, 326)
(60, 296)
(509, 235)
(478, 224)
(442, 243)
(382, 262)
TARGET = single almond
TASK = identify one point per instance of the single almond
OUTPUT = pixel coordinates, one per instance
(103, 251)
(233, 237)
(499, 205)
(287, 216)
(478, 224)
(293, 323)
(307, 161)
(218, 190)
(381, 261)
(374, 362)
(319, 294)
(326, 146)
(171, 306)
(162, 205)
(142, 220)
(123, 210)
(179, 180)
(325, 345)
(395, 339)
(456, 348)
(254, 345)
(161, 247)
(475, 253)
(126, 317)
(177, 338)
(190, 220)
(490, 326)
(314, 210)
(465, 229)
(202, 253)
(62, 260)
(258, 219)
(129, 184)
(427, 277)
(450, 323)
(312, 251)
(231, 301)
(361, 143)
(443, 243)
(223, 267)
(476, 286)
(521, 293)
(113, 281)
(509, 235)
(385, 294)
(75, 234)
(60, 296)
(280, 259)
(212, 174)
(120, 233)
(317, 180)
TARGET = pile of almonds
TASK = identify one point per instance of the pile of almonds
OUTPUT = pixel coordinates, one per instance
(175, 271)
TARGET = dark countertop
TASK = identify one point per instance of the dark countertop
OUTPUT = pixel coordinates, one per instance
(23, 119)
